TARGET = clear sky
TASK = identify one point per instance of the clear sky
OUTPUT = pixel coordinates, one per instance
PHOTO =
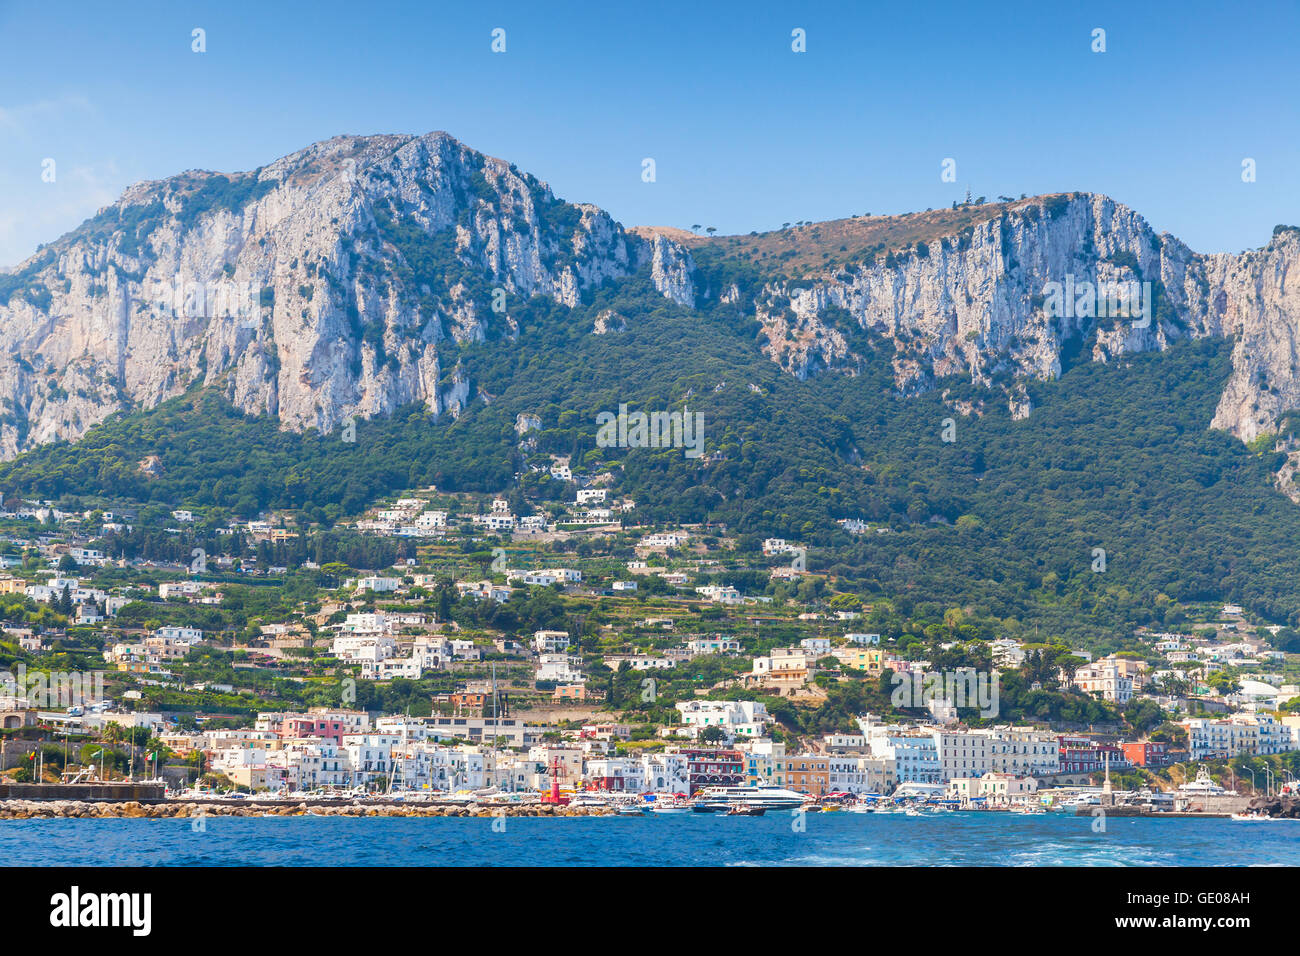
(745, 133)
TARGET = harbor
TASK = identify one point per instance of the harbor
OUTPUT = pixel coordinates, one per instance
(1200, 799)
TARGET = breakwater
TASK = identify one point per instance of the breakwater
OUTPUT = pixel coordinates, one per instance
(16, 809)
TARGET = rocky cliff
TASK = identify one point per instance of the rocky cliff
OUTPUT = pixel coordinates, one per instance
(318, 287)
(981, 302)
(314, 289)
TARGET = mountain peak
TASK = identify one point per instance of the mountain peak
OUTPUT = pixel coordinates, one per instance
(346, 274)
(314, 288)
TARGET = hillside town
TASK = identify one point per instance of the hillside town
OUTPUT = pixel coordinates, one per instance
(575, 651)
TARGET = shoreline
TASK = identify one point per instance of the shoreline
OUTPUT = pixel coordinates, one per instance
(188, 809)
(16, 809)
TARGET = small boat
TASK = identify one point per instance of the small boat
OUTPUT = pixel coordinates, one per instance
(671, 808)
(631, 812)
(1251, 817)
(742, 811)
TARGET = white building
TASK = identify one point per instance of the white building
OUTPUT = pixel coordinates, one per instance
(672, 539)
(913, 753)
(1241, 733)
(739, 718)
(378, 584)
(719, 593)
(666, 772)
(713, 645)
(365, 637)
(181, 635)
(484, 591)
(431, 521)
(1023, 750)
(1106, 678)
(550, 642)
(1007, 652)
(1000, 789)
(963, 753)
(559, 668)
(863, 639)
(638, 662)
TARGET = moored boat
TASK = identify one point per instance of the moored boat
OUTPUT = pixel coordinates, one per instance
(716, 799)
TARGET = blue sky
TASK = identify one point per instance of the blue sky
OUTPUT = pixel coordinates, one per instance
(745, 133)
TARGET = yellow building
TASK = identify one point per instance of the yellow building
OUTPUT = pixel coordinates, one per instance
(868, 659)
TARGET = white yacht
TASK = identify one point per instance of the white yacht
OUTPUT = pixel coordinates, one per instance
(1202, 785)
(721, 799)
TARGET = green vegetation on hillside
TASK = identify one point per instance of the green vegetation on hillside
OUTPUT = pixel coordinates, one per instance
(1006, 519)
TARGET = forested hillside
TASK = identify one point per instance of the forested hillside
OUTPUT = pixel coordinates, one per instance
(1004, 518)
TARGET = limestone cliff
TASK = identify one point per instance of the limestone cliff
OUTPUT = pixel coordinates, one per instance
(978, 302)
(313, 289)
(318, 287)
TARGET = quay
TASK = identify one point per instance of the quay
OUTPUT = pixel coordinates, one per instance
(1130, 811)
(85, 792)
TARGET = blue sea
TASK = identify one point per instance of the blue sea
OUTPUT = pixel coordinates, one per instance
(833, 839)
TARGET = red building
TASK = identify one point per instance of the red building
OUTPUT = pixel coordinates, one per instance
(311, 726)
(1149, 754)
(714, 768)
(1085, 755)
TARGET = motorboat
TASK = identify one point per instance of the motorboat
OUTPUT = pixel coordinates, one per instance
(670, 808)
(716, 799)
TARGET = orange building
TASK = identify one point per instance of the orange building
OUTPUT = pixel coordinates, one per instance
(805, 773)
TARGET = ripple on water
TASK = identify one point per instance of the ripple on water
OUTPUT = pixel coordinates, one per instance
(700, 840)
